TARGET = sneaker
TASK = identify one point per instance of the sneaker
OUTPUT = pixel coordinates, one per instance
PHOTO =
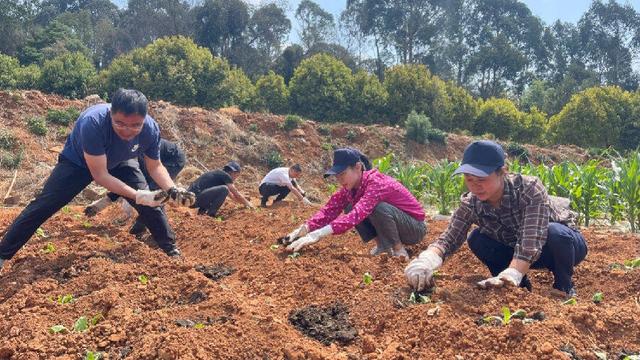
(173, 252)
(402, 253)
(376, 251)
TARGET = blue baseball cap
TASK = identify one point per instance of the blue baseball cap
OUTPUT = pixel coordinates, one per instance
(232, 166)
(342, 159)
(481, 158)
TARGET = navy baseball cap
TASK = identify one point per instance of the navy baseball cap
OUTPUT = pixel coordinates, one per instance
(481, 158)
(233, 166)
(342, 159)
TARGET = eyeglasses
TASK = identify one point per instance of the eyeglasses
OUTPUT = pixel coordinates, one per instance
(122, 125)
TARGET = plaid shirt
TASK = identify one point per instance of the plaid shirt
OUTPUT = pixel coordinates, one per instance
(520, 222)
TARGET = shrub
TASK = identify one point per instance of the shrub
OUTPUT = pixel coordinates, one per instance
(417, 128)
(368, 99)
(320, 88)
(37, 125)
(63, 117)
(8, 140)
(498, 117)
(272, 93)
(272, 159)
(69, 74)
(291, 122)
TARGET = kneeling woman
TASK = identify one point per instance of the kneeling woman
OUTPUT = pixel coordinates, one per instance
(519, 227)
(378, 206)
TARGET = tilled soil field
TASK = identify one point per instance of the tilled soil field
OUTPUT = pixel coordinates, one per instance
(234, 295)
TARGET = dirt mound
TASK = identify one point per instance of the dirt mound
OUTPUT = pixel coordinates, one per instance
(246, 315)
(212, 137)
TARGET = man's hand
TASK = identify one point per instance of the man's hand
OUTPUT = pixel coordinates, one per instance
(311, 238)
(420, 270)
(295, 234)
(181, 196)
(151, 198)
(508, 277)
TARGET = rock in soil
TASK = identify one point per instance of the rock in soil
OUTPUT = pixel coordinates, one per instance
(325, 324)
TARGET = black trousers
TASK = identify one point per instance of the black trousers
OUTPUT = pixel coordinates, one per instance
(268, 190)
(65, 182)
(565, 248)
(210, 200)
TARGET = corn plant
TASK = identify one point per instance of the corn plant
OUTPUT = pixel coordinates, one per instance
(627, 175)
(444, 190)
(585, 192)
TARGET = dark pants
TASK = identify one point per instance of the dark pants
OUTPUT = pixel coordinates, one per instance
(139, 227)
(210, 200)
(390, 226)
(564, 249)
(65, 182)
(268, 190)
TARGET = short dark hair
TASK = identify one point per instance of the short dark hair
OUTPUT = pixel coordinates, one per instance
(129, 102)
(297, 168)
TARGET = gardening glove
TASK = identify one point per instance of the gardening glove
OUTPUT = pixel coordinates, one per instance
(310, 238)
(295, 234)
(307, 201)
(508, 277)
(97, 206)
(181, 196)
(151, 198)
(420, 270)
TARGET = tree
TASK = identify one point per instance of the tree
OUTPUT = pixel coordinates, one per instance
(288, 61)
(147, 20)
(498, 117)
(316, 25)
(368, 99)
(320, 88)
(268, 29)
(69, 74)
(595, 117)
(220, 24)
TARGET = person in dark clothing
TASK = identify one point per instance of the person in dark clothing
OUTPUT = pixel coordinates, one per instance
(173, 159)
(103, 137)
(213, 187)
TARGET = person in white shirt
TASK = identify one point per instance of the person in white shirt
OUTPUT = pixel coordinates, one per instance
(281, 181)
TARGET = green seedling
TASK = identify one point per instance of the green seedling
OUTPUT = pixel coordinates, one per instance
(295, 255)
(506, 317)
(57, 329)
(87, 224)
(48, 249)
(198, 326)
(82, 324)
(219, 218)
(143, 279)
(417, 298)
(571, 301)
(96, 319)
(274, 247)
(40, 233)
(597, 297)
(367, 279)
(632, 264)
(66, 299)
(631, 357)
(66, 209)
(93, 355)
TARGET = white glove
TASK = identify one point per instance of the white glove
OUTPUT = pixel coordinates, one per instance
(126, 208)
(508, 277)
(181, 196)
(307, 201)
(150, 198)
(420, 270)
(295, 234)
(310, 238)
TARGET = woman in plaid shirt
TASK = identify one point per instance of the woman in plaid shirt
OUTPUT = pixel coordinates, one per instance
(519, 226)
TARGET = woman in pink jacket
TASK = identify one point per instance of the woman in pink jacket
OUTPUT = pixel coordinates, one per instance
(378, 206)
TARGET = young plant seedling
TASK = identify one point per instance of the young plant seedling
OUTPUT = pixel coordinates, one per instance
(93, 355)
(57, 329)
(506, 317)
(571, 301)
(295, 255)
(274, 247)
(96, 319)
(82, 324)
(87, 224)
(143, 279)
(48, 249)
(66, 209)
(417, 298)
(198, 326)
(66, 299)
(367, 279)
(597, 297)
(40, 233)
